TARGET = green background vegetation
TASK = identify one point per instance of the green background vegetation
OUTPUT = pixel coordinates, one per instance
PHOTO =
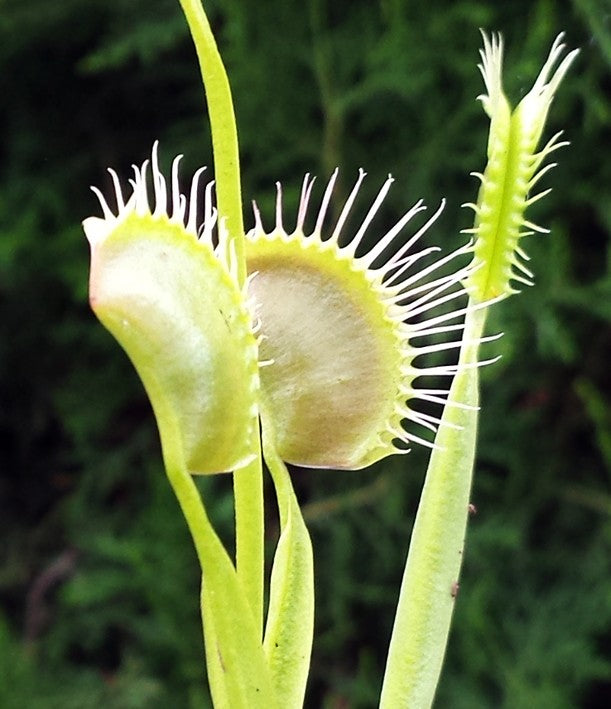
(98, 580)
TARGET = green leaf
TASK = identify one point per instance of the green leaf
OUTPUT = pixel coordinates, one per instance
(430, 580)
(176, 309)
(290, 621)
(238, 673)
(514, 168)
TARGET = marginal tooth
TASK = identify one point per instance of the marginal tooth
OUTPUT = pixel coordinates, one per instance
(103, 203)
(117, 186)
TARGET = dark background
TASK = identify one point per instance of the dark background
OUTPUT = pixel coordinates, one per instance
(98, 580)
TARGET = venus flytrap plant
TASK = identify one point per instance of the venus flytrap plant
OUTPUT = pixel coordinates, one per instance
(172, 300)
(316, 338)
(340, 330)
(514, 168)
(430, 582)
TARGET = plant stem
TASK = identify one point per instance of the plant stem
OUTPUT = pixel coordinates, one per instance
(223, 127)
(192, 508)
(248, 482)
(430, 580)
(250, 527)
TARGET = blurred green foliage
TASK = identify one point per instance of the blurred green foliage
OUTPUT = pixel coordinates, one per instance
(98, 580)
